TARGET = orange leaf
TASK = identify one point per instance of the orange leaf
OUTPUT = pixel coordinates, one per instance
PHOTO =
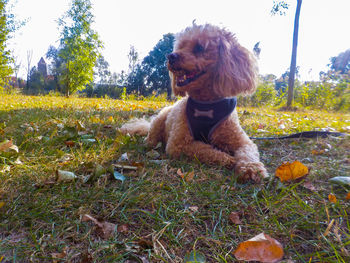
(291, 171)
(180, 173)
(261, 248)
(69, 143)
(347, 196)
(332, 198)
(189, 177)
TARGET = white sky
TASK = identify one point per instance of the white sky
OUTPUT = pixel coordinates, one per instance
(324, 28)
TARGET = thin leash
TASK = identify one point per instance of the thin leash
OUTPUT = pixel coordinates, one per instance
(305, 134)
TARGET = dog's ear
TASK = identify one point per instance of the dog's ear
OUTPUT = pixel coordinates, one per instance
(174, 88)
(236, 70)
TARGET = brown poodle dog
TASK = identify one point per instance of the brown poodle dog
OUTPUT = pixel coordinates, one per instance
(209, 67)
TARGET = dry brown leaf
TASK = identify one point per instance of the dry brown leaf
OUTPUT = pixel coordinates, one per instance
(69, 143)
(291, 171)
(56, 257)
(261, 248)
(86, 258)
(310, 186)
(124, 228)
(193, 208)
(189, 177)
(234, 218)
(104, 229)
(180, 173)
(7, 145)
(332, 198)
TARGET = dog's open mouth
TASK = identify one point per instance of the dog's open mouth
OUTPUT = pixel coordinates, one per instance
(186, 77)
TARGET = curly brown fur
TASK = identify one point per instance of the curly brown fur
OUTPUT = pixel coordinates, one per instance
(208, 64)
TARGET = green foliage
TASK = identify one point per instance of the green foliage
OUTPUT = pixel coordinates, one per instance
(5, 56)
(79, 47)
(152, 74)
(265, 95)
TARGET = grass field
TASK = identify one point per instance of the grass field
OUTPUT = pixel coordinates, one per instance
(160, 210)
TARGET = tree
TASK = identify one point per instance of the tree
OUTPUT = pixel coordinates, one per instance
(279, 7)
(341, 63)
(29, 62)
(8, 25)
(133, 56)
(102, 70)
(55, 67)
(5, 56)
(155, 65)
(79, 47)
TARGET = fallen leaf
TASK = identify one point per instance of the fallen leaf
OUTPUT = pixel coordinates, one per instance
(332, 198)
(65, 176)
(119, 176)
(99, 170)
(194, 257)
(145, 243)
(104, 229)
(234, 218)
(2, 204)
(86, 258)
(261, 248)
(193, 208)
(347, 196)
(180, 173)
(317, 152)
(341, 180)
(56, 257)
(69, 143)
(310, 186)
(124, 228)
(153, 154)
(189, 177)
(7, 145)
(124, 157)
(291, 171)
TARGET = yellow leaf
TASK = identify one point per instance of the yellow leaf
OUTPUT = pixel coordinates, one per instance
(317, 152)
(332, 198)
(261, 248)
(2, 204)
(291, 171)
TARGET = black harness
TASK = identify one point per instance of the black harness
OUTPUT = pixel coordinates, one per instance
(204, 117)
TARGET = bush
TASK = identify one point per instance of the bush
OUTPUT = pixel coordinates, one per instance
(324, 95)
(265, 95)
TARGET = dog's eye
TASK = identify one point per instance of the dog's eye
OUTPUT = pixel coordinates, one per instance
(198, 49)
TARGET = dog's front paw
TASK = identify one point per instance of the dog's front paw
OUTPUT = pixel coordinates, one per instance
(254, 171)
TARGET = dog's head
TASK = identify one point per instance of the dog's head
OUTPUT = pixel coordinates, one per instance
(208, 57)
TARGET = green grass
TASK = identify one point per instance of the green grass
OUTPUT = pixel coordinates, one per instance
(167, 216)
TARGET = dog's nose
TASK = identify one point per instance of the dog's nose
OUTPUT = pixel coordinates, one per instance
(173, 58)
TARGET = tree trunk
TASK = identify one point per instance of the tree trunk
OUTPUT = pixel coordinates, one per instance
(294, 56)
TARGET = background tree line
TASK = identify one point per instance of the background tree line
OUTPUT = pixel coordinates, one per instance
(77, 65)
